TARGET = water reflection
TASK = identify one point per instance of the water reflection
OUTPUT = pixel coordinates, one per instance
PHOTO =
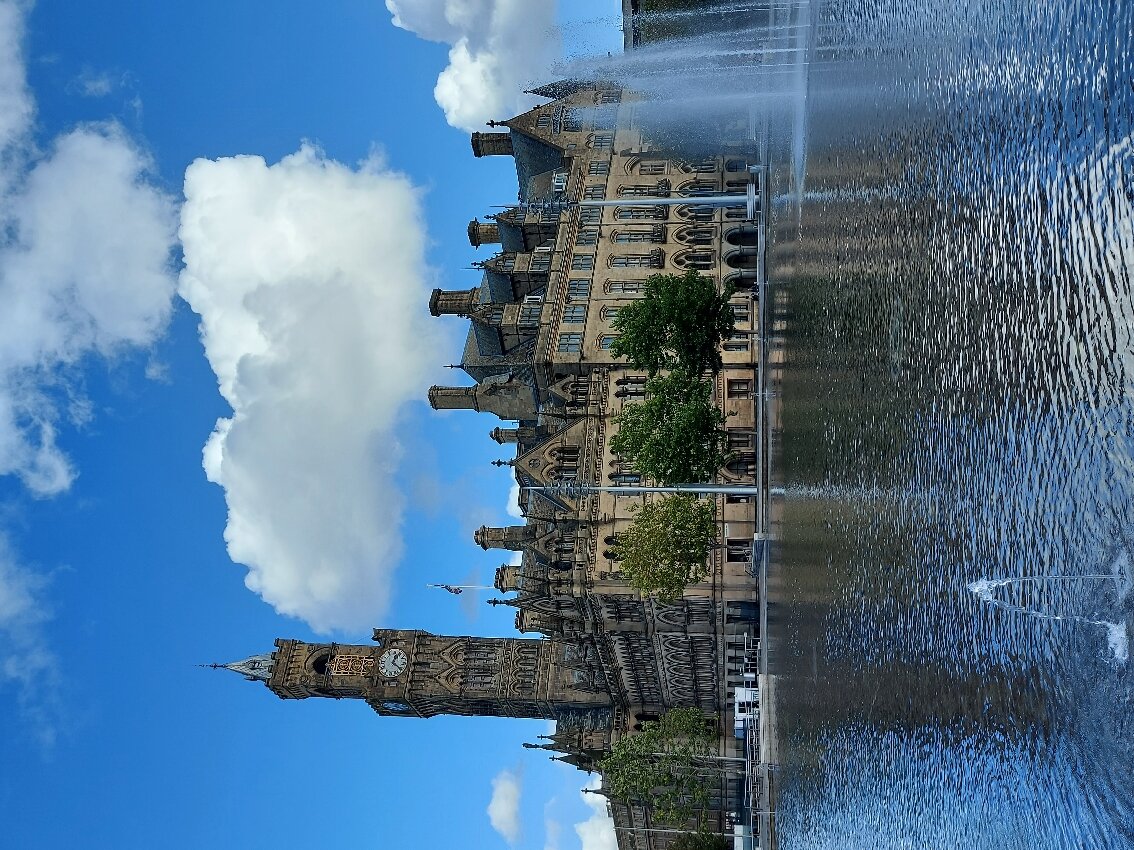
(958, 395)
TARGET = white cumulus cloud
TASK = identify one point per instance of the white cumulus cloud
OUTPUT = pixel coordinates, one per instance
(497, 48)
(504, 807)
(597, 831)
(310, 280)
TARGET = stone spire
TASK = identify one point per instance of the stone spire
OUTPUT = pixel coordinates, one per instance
(505, 395)
(483, 233)
(514, 537)
(492, 144)
(460, 302)
(453, 398)
(257, 668)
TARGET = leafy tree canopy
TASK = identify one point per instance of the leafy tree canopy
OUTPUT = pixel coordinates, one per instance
(675, 436)
(667, 545)
(677, 324)
(664, 766)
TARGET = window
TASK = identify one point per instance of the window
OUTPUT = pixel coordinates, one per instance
(572, 121)
(736, 165)
(351, 665)
(609, 96)
(606, 341)
(705, 166)
(594, 193)
(598, 166)
(738, 440)
(702, 260)
(745, 611)
(742, 465)
(604, 118)
(610, 313)
(697, 213)
(582, 262)
(740, 311)
(559, 181)
(736, 342)
(623, 287)
(564, 473)
(587, 236)
(696, 235)
(739, 387)
(590, 215)
(651, 168)
(578, 289)
(505, 262)
(529, 314)
(567, 454)
(738, 551)
(639, 213)
(544, 120)
(633, 386)
(625, 478)
(570, 342)
(574, 314)
(541, 261)
(746, 234)
(645, 190)
(638, 261)
(601, 141)
(698, 187)
(629, 236)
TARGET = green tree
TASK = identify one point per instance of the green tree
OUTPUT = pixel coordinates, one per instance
(700, 841)
(675, 436)
(665, 765)
(677, 324)
(667, 545)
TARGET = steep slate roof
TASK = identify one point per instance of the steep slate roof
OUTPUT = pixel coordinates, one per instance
(496, 289)
(558, 89)
(533, 157)
(511, 236)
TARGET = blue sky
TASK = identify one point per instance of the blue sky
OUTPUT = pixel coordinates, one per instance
(233, 211)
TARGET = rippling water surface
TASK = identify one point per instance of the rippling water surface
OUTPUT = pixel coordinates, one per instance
(952, 597)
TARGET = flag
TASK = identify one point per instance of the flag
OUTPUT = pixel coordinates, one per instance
(450, 588)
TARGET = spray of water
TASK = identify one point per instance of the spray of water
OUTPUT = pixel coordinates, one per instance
(731, 73)
(1117, 635)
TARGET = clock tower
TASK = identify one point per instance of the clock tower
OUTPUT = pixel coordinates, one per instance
(412, 673)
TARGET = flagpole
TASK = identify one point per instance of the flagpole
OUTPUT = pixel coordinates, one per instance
(460, 588)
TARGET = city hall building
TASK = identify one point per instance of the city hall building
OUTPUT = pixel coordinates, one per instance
(592, 653)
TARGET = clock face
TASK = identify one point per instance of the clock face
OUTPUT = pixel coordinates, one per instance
(392, 663)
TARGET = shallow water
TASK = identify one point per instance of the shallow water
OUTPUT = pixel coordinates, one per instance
(951, 600)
